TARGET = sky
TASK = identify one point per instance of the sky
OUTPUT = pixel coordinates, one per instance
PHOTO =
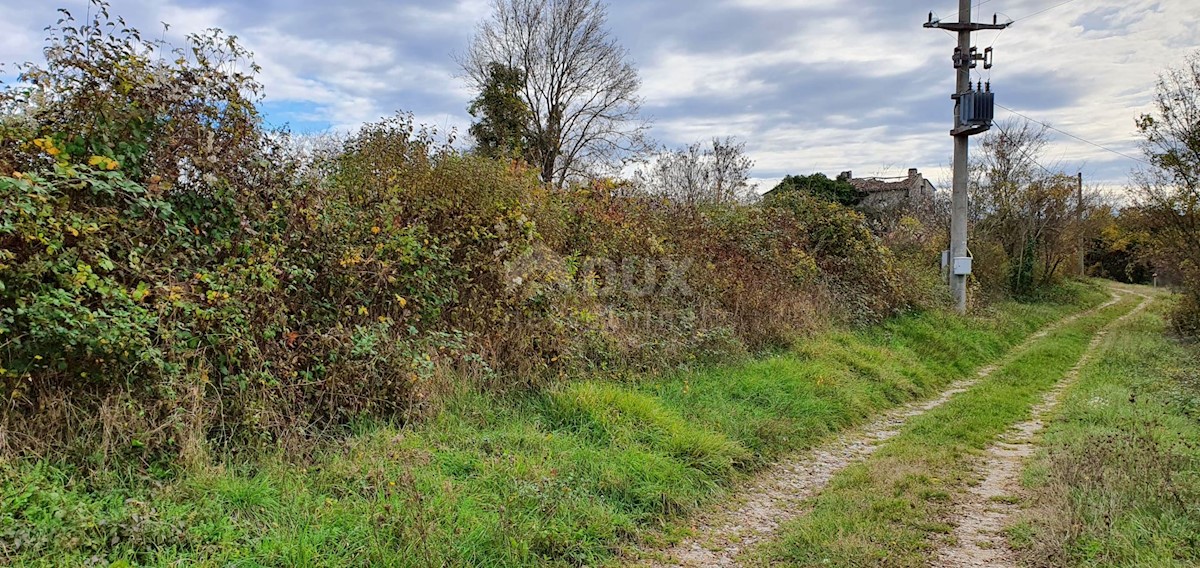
(809, 85)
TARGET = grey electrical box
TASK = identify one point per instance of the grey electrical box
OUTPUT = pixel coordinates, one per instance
(962, 266)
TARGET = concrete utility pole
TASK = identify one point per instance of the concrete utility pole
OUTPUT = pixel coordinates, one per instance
(973, 112)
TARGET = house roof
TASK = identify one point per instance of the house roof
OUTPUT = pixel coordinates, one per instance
(875, 185)
(913, 182)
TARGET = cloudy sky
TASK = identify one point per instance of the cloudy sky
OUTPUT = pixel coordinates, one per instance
(809, 85)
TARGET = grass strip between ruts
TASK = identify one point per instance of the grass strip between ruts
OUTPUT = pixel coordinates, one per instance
(891, 509)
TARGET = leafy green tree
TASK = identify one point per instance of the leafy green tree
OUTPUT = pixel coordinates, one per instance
(1169, 189)
(1118, 250)
(820, 186)
(502, 126)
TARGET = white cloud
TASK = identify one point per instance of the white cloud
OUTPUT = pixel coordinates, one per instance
(810, 85)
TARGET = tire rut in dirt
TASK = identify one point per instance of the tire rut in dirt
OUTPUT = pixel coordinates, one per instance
(775, 496)
(986, 510)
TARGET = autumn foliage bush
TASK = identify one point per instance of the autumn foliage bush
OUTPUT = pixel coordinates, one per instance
(174, 277)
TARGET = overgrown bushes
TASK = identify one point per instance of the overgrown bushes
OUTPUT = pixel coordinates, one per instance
(1185, 320)
(173, 276)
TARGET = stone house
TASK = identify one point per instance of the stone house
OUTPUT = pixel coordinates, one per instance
(884, 194)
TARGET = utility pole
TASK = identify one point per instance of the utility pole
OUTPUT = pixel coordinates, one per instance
(1079, 227)
(973, 112)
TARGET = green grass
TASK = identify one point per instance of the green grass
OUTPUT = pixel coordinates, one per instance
(1118, 483)
(567, 477)
(891, 509)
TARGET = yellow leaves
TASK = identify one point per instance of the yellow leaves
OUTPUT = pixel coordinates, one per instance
(103, 162)
(47, 145)
(362, 311)
(400, 300)
(352, 257)
(174, 293)
(375, 230)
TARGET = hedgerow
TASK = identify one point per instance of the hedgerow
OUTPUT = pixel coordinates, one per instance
(174, 277)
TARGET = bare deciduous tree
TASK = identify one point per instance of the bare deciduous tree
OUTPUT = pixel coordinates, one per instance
(1029, 210)
(700, 173)
(580, 89)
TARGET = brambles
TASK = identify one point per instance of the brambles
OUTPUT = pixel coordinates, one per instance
(175, 279)
(185, 117)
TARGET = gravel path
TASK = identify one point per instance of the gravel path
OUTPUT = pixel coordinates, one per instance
(986, 510)
(774, 496)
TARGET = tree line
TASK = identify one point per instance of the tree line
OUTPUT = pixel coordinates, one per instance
(556, 90)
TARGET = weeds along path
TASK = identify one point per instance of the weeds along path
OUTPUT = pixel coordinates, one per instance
(775, 495)
(982, 514)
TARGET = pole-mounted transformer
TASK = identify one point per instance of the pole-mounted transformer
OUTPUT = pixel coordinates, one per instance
(975, 107)
(976, 104)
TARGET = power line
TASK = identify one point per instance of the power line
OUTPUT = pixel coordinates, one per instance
(997, 38)
(1068, 134)
(1000, 33)
(1039, 12)
(1043, 11)
(1012, 21)
(1026, 154)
